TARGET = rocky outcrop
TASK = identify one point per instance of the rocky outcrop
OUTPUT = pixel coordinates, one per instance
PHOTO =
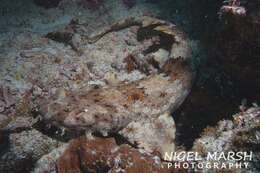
(7, 101)
(48, 162)
(24, 150)
(104, 155)
(240, 134)
(101, 155)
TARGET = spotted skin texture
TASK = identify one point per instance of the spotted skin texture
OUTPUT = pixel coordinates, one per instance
(137, 97)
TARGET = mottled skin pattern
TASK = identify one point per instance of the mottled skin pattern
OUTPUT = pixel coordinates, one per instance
(139, 110)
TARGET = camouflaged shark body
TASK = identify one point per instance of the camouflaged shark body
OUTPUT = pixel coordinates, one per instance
(131, 93)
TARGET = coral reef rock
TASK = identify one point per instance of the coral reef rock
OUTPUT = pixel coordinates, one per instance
(24, 149)
(48, 162)
(241, 134)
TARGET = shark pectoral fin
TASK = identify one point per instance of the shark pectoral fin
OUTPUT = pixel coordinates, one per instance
(152, 134)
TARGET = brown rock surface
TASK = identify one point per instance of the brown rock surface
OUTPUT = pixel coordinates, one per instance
(102, 155)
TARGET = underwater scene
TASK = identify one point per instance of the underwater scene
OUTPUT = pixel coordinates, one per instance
(129, 86)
